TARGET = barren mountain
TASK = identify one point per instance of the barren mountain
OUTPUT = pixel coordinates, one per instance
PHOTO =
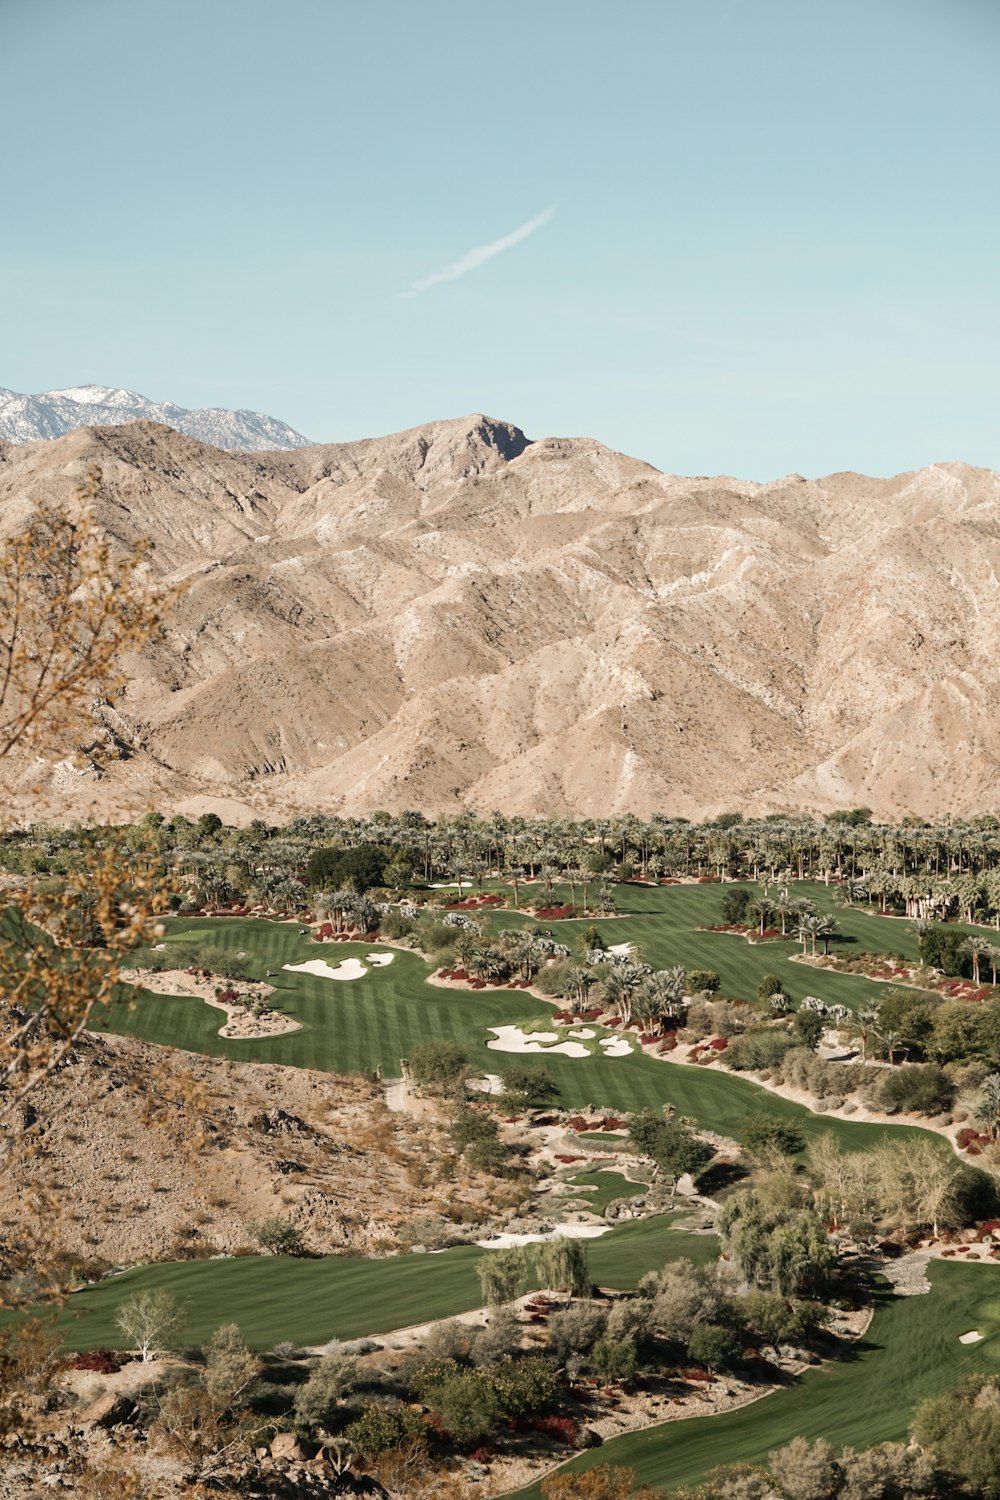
(453, 616)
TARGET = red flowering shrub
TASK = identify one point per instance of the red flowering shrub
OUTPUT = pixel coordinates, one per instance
(563, 1429)
(99, 1361)
(967, 1136)
(719, 1043)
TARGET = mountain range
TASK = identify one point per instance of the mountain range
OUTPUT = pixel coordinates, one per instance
(26, 419)
(456, 617)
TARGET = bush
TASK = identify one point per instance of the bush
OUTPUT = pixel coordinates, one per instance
(919, 1088)
(758, 1050)
(613, 1359)
(766, 1135)
(441, 1065)
(382, 1426)
(100, 1361)
(278, 1236)
(330, 1382)
(768, 985)
(702, 981)
(575, 1330)
(395, 926)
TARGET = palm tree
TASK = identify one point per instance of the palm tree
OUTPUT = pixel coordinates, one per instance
(988, 1109)
(810, 928)
(759, 910)
(993, 959)
(620, 988)
(977, 948)
(891, 1040)
(865, 1022)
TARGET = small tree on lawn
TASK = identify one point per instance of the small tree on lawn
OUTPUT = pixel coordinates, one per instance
(279, 1236)
(503, 1275)
(562, 1265)
(149, 1321)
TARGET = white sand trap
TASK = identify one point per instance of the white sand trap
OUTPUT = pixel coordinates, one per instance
(971, 1338)
(620, 950)
(615, 1046)
(445, 885)
(513, 1039)
(585, 1033)
(379, 959)
(348, 968)
(561, 1231)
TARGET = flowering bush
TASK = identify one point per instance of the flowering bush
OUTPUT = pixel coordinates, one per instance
(99, 1361)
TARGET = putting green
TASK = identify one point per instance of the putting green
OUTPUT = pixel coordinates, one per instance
(910, 1351)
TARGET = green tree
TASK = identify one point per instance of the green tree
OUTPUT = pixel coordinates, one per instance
(503, 1275)
(715, 1347)
(331, 1380)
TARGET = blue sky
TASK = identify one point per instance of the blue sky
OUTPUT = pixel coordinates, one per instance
(770, 231)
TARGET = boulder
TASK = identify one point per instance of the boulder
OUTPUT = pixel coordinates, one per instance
(109, 1410)
(287, 1445)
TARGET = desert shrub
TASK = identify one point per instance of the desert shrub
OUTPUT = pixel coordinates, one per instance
(768, 985)
(758, 1050)
(278, 1236)
(382, 1426)
(525, 1086)
(804, 1470)
(331, 1381)
(221, 961)
(100, 1361)
(231, 1369)
(477, 1136)
(449, 1339)
(919, 1088)
(808, 1028)
(778, 1320)
(613, 1359)
(395, 926)
(702, 981)
(575, 1330)
(628, 1320)
(499, 1339)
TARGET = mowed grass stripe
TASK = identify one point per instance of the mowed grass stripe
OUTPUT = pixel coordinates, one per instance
(375, 1021)
(911, 1351)
(311, 1301)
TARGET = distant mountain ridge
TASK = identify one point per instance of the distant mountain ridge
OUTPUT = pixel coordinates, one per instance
(51, 414)
(457, 617)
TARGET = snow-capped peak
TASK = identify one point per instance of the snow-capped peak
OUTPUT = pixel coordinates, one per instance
(27, 419)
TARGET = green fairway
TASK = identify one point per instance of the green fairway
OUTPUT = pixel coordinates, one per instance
(665, 922)
(310, 1301)
(910, 1351)
(375, 1021)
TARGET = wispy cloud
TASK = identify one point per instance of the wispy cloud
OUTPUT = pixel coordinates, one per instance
(479, 255)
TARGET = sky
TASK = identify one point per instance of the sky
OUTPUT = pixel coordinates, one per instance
(726, 236)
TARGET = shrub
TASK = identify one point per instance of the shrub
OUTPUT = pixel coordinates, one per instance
(441, 1065)
(575, 1330)
(383, 1426)
(613, 1359)
(330, 1381)
(920, 1088)
(734, 906)
(702, 981)
(758, 1050)
(278, 1236)
(100, 1361)
(768, 985)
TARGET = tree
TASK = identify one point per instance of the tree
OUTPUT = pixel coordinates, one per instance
(674, 1147)
(440, 1065)
(382, 1426)
(808, 1028)
(766, 1136)
(715, 1347)
(685, 1295)
(524, 1086)
(150, 1320)
(231, 1368)
(563, 1266)
(503, 1275)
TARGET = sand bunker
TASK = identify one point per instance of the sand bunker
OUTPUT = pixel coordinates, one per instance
(561, 1231)
(615, 1046)
(348, 968)
(620, 950)
(490, 1083)
(971, 1338)
(513, 1039)
(379, 959)
(585, 1033)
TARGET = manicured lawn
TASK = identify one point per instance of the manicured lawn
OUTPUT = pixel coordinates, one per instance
(375, 1021)
(910, 1351)
(664, 921)
(310, 1301)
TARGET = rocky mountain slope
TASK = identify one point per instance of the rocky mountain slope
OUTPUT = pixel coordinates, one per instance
(453, 616)
(24, 419)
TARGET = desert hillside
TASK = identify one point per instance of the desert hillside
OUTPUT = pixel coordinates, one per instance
(457, 617)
